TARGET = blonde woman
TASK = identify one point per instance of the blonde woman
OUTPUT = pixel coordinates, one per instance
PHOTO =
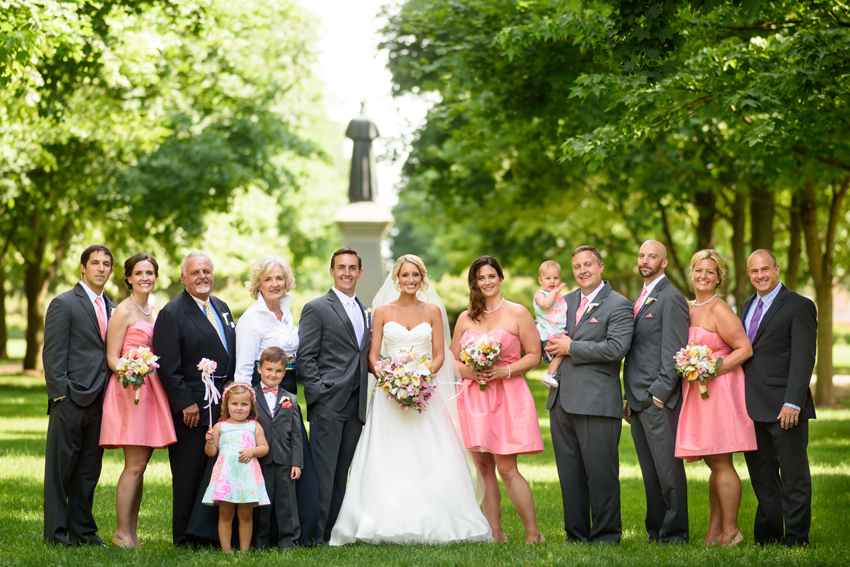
(714, 428)
(269, 323)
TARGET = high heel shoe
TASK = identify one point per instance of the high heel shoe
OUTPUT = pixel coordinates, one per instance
(737, 540)
(715, 541)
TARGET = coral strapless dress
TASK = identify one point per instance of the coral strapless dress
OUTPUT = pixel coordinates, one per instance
(148, 424)
(718, 424)
(500, 419)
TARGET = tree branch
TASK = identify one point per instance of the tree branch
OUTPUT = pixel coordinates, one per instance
(823, 159)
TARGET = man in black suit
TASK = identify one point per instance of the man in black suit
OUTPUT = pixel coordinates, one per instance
(75, 371)
(192, 326)
(654, 396)
(586, 411)
(782, 327)
(332, 361)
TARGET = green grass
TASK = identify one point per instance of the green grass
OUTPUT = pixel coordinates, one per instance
(23, 425)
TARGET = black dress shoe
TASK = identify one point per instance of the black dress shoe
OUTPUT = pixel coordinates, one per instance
(95, 541)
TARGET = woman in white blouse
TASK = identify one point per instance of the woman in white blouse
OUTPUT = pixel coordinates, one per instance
(266, 323)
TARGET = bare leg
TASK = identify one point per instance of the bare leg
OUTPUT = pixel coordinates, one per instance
(492, 505)
(226, 511)
(128, 495)
(246, 525)
(134, 515)
(728, 489)
(553, 366)
(715, 529)
(520, 495)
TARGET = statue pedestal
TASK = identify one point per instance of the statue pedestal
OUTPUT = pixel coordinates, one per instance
(363, 226)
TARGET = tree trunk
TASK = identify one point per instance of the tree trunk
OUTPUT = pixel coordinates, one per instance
(795, 246)
(4, 331)
(706, 203)
(35, 288)
(821, 257)
(762, 209)
(739, 225)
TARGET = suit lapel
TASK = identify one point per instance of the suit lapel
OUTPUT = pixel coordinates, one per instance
(573, 301)
(745, 308)
(774, 308)
(229, 335)
(598, 300)
(261, 400)
(654, 295)
(87, 305)
(340, 310)
(196, 315)
(365, 328)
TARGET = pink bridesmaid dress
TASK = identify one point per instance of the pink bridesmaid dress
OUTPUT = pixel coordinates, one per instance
(500, 419)
(148, 424)
(718, 424)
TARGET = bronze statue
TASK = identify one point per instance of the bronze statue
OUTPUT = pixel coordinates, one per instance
(364, 182)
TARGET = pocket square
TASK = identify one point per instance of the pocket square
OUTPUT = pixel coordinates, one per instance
(593, 320)
(648, 315)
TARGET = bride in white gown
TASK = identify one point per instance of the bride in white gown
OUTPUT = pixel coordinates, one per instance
(410, 480)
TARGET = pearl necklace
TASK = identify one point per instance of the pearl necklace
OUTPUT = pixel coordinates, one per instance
(497, 308)
(148, 312)
(704, 302)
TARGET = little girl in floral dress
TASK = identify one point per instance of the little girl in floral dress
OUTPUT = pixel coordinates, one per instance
(237, 485)
(550, 312)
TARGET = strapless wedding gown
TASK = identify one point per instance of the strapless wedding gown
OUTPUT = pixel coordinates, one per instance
(409, 481)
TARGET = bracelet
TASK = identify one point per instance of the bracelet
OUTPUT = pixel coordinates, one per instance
(509, 372)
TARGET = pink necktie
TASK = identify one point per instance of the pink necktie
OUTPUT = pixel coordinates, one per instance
(580, 311)
(101, 317)
(638, 303)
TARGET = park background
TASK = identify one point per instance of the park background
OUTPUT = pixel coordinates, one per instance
(515, 129)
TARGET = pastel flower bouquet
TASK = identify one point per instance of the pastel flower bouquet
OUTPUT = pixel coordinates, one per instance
(480, 353)
(136, 365)
(407, 378)
(698, 364)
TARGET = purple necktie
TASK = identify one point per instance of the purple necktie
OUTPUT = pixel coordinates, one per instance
(754, 322)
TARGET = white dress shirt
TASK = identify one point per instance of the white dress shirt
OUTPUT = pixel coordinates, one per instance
(92, 296)
(592, 295)
(649, 287)
(259, 329)
(354, 314)
(271, 398)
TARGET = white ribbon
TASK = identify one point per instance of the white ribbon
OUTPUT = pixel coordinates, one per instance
(455, 384)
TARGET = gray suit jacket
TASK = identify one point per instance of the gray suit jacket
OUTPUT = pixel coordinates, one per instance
(661, 329)
(328, 354)
(590, 375)
(74, 353)
(283, 431)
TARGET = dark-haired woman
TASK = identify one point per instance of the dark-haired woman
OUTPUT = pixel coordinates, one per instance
(138, 429)
(499, 422)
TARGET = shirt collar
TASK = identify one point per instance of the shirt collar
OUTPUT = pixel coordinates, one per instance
(90, 292)
(346, 301)
(770, 296)
(284, 305)
(652, 285)
(592, 295)
(200, 302)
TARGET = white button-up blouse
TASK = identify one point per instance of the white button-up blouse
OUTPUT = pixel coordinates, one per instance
(259, 329)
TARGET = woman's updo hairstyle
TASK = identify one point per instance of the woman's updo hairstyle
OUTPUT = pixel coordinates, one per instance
(714, 256)
(130, 264)
(410, 259)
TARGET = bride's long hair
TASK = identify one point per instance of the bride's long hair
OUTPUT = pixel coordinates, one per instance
(476, 298)
(416, 261)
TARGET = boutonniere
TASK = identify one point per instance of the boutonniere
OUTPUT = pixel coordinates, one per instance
(591, 307)
(649, 301)
(368, 314)
(285, 403)
(227, 321)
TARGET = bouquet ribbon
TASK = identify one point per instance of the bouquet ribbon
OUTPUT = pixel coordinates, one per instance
(211, 393)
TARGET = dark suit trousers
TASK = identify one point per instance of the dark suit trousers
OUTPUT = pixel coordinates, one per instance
(281, 490)
(333, 439)
(654, 434)
(188, 461)
(788, 497)
(71, 470)
(586, 452)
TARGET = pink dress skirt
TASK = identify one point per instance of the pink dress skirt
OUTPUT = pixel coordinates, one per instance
(502, 418)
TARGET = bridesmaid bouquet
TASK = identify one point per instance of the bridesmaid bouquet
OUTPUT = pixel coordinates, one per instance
(408, 378)
(480, 352)
(136, 365)
(698, 364)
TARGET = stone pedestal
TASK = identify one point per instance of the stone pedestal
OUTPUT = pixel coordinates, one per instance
(363, 226)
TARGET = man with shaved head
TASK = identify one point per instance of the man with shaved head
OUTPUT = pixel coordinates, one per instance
(653, 396)
(782, 325)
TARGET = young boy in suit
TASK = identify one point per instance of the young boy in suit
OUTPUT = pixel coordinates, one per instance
(278, 415)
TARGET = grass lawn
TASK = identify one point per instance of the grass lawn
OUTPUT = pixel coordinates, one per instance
(23, 425)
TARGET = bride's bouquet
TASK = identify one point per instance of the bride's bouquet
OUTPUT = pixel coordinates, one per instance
(136, 365)
(480, 352)
(408, 378)
(698, 364)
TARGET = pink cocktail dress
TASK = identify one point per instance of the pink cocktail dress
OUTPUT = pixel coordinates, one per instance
(718, 424)
(148, 424)
(502, 418)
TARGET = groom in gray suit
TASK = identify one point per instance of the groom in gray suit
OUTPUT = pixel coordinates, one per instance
(585, 411)
(75, 370)
(654, 396)
(334, 336)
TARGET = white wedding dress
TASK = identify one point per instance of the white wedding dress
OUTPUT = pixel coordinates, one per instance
(409, 481)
